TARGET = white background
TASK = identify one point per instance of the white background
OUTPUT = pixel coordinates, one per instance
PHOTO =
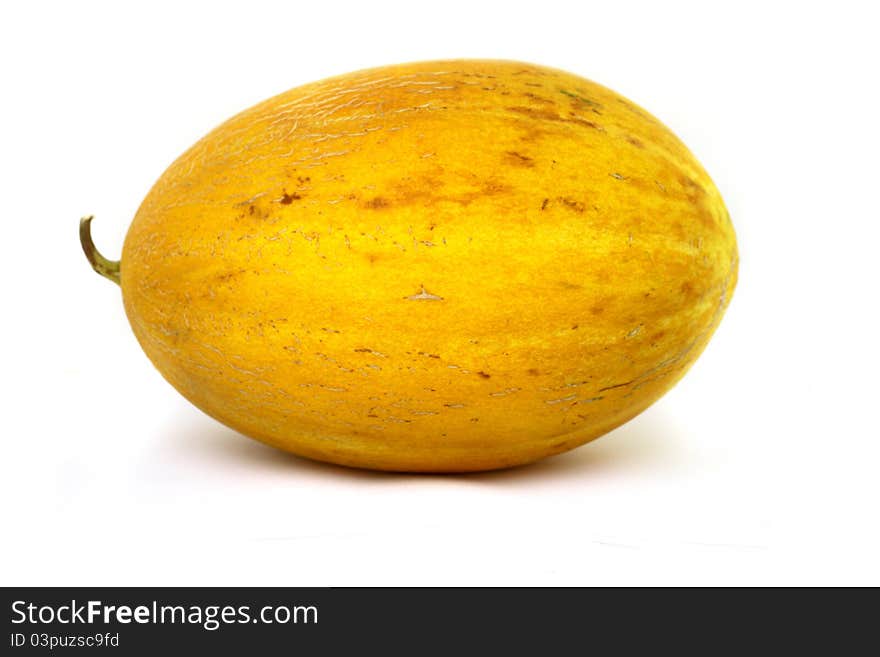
(761, 467)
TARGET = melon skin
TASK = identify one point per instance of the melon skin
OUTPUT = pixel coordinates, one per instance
(435, 267)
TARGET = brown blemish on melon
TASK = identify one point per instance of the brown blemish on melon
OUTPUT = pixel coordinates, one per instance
(584, 122)
(689, 184)
(616, 385)
(426, 192)
(635, 142)
(225, 277)
(518, 159)
(377, 203)
(580, 101)
(548, 115)
(572, 204)
(538, 99)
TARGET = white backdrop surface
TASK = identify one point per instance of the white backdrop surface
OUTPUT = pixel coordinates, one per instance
(760, 467)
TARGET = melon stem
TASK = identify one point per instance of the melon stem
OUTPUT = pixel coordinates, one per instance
(107, 268)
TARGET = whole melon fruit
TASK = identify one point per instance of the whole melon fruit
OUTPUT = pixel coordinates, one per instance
(444, 266)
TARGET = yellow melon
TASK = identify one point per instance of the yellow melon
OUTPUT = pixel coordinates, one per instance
(442, 266)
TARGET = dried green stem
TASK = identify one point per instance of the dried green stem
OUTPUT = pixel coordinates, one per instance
(107, 268)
